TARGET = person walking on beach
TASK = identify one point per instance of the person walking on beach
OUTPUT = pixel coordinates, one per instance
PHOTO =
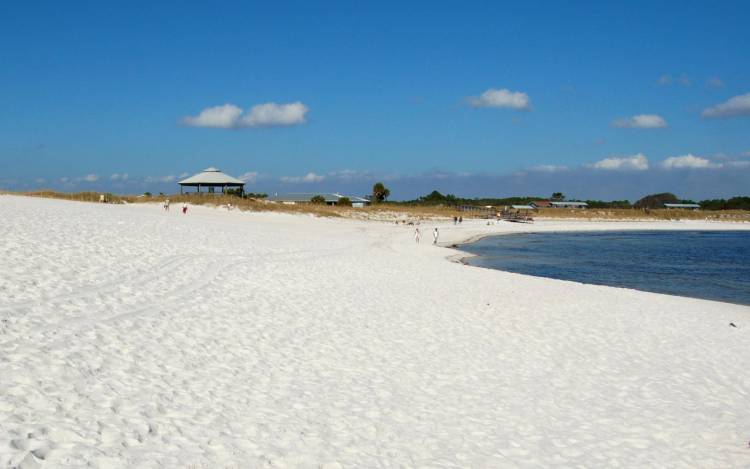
(166, 205)
(435, 235)
(417, 236)
(184, 208)
(460, 220)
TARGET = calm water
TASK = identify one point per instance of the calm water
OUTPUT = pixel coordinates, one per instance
(702, 264)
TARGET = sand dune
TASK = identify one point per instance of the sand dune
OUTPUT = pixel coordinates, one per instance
(131, 337)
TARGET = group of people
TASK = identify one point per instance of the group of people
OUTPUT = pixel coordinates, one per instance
(435, 232)
(418, 236)
(184, 206)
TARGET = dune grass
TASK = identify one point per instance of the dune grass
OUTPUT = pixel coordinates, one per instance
(391, 211)
(384, 212)
(76, 196)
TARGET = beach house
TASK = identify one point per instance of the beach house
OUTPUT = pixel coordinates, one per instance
(682, 206)
(329, 198)
(541, 204)
(568, 204)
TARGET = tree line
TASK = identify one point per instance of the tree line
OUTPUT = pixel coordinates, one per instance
(380, 193)
(650, 201)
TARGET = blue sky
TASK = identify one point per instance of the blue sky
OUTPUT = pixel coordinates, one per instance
(598, 99)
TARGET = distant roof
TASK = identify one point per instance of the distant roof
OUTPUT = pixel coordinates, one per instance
(211, 176)
(682, 205)
(306, 196)
(569, 203)
(522, 207)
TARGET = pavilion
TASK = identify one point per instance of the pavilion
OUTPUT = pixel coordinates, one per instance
(211, 178)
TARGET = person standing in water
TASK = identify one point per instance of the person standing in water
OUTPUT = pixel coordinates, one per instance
(417, 236)
(435, 235)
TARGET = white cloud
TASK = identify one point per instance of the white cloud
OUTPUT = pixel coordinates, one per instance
(271, 114)
(637, 162)
(153, 179)
(64, 179)
(446, 174)
(40, 180)
(641, 121)
(688, 161)
(119, 177)
(229, 116)
(715, 82)
(250, 177)
(736, 106)
(721, 156)
(90, 178)
(738, 164)
(350, 174)
(502, 98)
(548, 168)
(223, 117)
(666, 80)
(309, 177)
(184, 175)
(345, 174)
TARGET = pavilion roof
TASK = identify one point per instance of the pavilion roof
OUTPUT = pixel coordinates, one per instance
(211, 176)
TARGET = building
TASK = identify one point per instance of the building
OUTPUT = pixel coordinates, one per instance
(210, 179)
(682, 206)
(517, 213)
(569, 204)
(541, 204)
(486, 210)
(330, 198)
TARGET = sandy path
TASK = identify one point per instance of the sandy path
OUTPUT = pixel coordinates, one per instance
(131, 337)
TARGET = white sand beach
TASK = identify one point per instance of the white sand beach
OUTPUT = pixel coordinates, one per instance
(135, 338)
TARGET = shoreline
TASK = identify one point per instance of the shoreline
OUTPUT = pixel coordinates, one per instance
(465, 260)
(649, 225)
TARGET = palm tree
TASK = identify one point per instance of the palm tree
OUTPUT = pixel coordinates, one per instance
(380, 192)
